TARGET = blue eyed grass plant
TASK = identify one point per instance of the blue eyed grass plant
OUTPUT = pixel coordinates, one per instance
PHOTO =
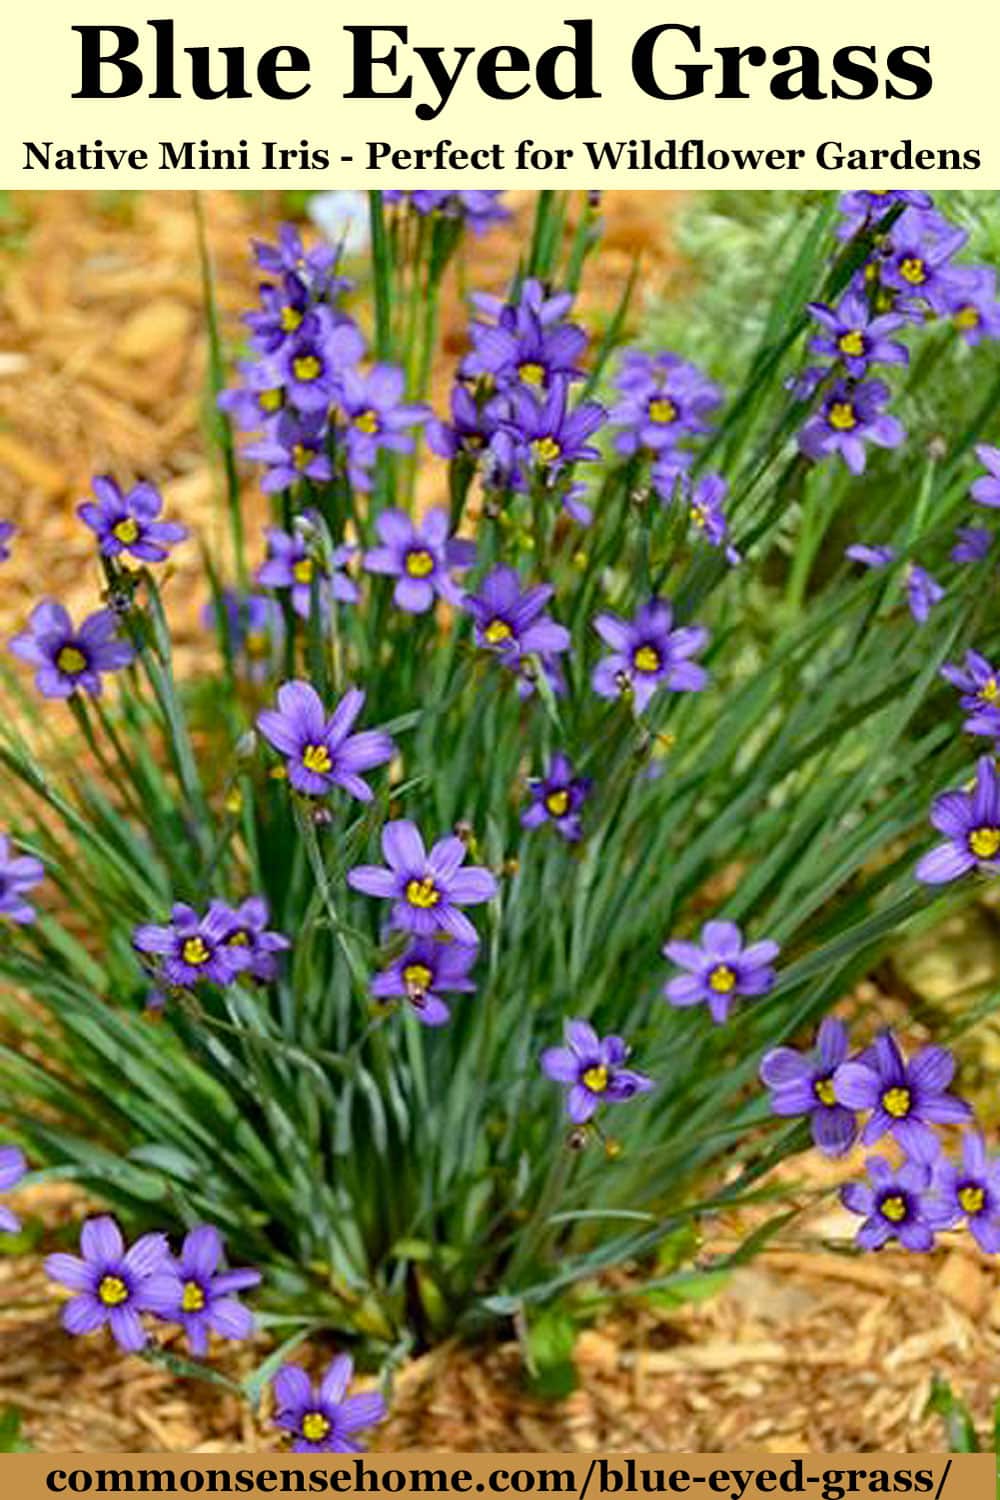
(291, 941)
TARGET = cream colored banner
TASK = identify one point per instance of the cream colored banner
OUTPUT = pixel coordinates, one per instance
(739, 1476)
(594, 93)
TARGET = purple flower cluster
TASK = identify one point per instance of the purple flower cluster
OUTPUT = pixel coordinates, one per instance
(512, 409)
(427, 970)
(480, 209)
(978, 682)
(849, 417)
(252, 629)
(219, 946)
(663, 402)
(297, 563)
(970, 823)
(513, 625)
(592, 1070)
(115, 1287)
(557, 798)
(427, 888)
(421, 557)
(305, 393)
(323, 1418)
(914, 1202)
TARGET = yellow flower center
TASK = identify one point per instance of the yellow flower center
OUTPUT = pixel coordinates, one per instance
(972, 1198)
(291, 319)
(193, 1298)
(893, 1208)
(722, 979)
(990, 691)
(497, 631)
(647, 659)
(546, 450)
(112, 1291)
(841, 416)
(367, 422)
(557, 802)
(270, 400)
(307, 367)
(662, 410)
(419, 563)
(258, 644)
(71, 661)
(317, 758)
(194, 951)
(967, 317)
(302, 572)
(532, 373)
(238, 939)
(596, 1078)
(315, 1426)
(302, 456)
(852, 342)
(913, 270)
(423, 893)
(823, 1089)
(417, 977)
(126, 530)
(699, 516)
(984, 842)
(896, 1102)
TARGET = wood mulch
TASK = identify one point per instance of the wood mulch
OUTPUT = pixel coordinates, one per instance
(102, 362)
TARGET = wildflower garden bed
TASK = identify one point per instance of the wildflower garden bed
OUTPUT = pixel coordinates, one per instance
(762, 749)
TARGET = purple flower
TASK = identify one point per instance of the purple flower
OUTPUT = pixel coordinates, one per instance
(664, 399)
(970, 822)
(971, 298)
(972, 544)
(906, 1098)
(986, 489)
(979, 684)
(313, 266)
(922, 592)
(426, 889)
(513, 624)
(428, 969)
(970, 1190)
(850, 417)
(70, 659)
(114, 1286)
(7, 530)
(260, 397)
(208, 1300)
(324, 1418)
(293, 447)
(19, 873)
(479, 208)
(863, 206)
(291, 564)
(802, 1084)
(254, 944)
(720, 969)
(872, 557)
(896, 1204)
(472, 427)
(592, 1070)
(648, 654)
(127, 523)
(419, 555)
(377, 417)
(253, 629)
(706, 508)
(12, 1168)
(314, 363)
(917, 262)
(855, 337)
(557, 798)
(545, 436)
(320, 751)
(193, 948)
(284, 309)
